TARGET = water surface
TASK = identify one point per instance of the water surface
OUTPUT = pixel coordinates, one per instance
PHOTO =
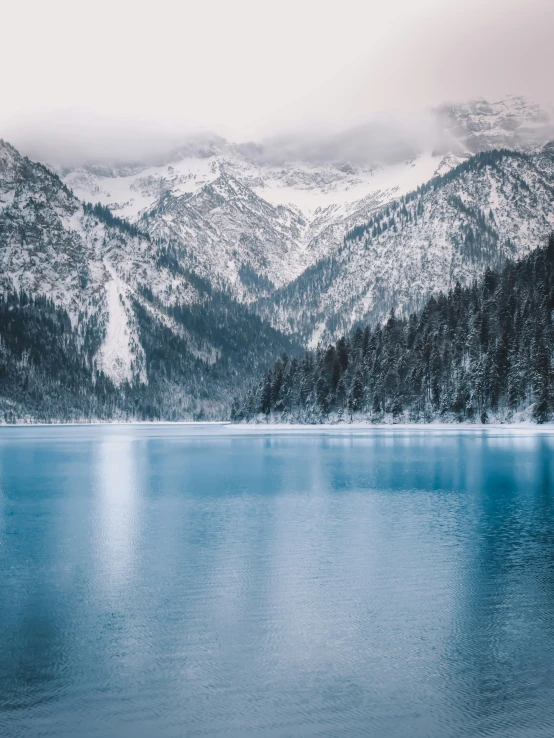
(160, 581)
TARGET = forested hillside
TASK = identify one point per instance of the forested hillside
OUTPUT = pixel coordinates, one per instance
(50, 369)
(99, 320)
(107, 318)
(474, 354)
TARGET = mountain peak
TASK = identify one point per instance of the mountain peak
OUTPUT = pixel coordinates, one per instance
(479, 125)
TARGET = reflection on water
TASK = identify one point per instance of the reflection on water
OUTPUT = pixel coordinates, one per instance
(117, 489)
(171, 581)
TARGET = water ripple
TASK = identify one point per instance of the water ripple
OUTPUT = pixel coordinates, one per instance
(161, 583)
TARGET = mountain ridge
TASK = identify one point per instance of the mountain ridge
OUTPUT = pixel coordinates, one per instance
(473, 354)
(495, 205)
(211, 276)
(296, 204)
(158, 328)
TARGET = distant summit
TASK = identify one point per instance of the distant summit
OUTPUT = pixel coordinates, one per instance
(478, 125)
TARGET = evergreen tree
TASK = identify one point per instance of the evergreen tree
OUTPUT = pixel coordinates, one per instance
(475, 353)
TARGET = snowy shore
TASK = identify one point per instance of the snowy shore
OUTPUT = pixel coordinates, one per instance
(259, 428)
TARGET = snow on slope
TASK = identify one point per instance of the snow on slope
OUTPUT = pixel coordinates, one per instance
(307, 188)
(129, 192)
(343, 191)
(248, 249)
(485, 211)
(253, 227)
(121, 347)
(50, 246)
(239, 221)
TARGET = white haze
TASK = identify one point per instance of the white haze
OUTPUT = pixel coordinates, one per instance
(127, 80)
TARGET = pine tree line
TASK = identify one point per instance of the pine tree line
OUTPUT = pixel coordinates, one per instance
(474, 354)
(105, 215)
(49, 370)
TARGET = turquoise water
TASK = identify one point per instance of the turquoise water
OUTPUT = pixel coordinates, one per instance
(172, 581)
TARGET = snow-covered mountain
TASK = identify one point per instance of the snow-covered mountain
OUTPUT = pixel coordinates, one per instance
(191, 271)
(478, 125)
(51, 245)
(141, 317)
(251, 220)
(245, 225)
(496, 205)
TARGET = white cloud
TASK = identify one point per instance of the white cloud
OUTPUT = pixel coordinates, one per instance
(113, 75)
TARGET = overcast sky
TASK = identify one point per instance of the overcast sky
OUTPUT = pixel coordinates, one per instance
(116, 75)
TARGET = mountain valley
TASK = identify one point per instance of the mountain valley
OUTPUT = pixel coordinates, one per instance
(176, 281)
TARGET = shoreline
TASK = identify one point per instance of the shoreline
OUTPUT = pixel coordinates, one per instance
(398, 427)
(94, 423)
(260, 428)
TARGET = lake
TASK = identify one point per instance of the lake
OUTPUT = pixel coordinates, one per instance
(166, 581)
